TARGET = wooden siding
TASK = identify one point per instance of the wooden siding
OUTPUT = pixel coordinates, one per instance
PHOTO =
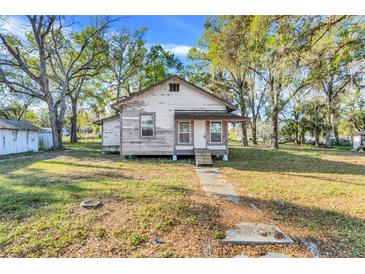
(111, 132)
(163, 103)
(17, 141)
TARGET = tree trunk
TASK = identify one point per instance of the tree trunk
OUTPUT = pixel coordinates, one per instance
(73, 138)
(57, 141)
(302, 137)
(254, 131)
(316, 137)
(297, 142)
(329, 122)
(244, 134)
(335, 131)
(243, 124)
(118, 89)
(274, 129)
(297, 128)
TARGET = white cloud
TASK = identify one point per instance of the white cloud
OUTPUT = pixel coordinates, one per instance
(179, 50)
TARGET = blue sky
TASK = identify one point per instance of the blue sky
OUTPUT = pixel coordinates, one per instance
(175, 33)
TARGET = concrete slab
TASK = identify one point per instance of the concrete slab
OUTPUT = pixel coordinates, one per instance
(274, 255)
(241, 256)
(256, 234)
(214, 184)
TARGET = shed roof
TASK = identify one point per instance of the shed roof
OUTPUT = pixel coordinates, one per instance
(209, 115)
(15, 124)
(100, 121)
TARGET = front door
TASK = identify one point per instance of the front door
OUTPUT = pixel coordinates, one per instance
(199, 134)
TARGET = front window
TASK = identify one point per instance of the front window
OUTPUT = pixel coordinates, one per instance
(147, 125)
(216, 132)
(184, 132)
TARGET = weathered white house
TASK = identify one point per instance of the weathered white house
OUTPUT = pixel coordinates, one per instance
(17, 136)
(173, 117)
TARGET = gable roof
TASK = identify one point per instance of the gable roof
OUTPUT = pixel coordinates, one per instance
(143, 91)
(15, 124)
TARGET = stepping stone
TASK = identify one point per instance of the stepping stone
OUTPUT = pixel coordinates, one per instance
(214, 184)
(274, 255)
(256, 234)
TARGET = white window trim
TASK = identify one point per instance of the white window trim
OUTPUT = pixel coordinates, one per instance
(210, 132)
(154, 123)
(178, 133)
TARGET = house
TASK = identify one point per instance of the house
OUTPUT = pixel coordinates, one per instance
(65, 132)
(358, 141)
(173, 117)
(17, 136)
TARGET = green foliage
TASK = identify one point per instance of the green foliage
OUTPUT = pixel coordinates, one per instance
(158, 65)
(136, 239)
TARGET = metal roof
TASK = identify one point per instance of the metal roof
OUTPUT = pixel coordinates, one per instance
(14, 124)
(209, 115)
(100, 121)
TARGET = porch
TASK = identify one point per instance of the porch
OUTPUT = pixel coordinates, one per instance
(197, 131)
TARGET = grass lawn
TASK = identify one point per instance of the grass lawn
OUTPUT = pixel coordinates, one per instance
(314, 193)
(307, 192)
(143, 200)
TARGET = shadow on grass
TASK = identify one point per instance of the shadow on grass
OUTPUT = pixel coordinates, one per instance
(266, 160)
(337, 234)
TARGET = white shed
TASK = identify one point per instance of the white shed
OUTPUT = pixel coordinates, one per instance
(17, 136)
(45, 139)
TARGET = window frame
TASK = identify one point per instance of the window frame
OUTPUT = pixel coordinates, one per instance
(190, 133)
(153, 114)
(176, 85)
(210, 132)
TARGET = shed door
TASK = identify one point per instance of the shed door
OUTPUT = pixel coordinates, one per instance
(199, 134)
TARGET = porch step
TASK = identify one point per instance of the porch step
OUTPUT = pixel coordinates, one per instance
(203, 157)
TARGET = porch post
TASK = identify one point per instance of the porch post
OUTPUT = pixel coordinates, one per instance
(225, 156)
(120, 132)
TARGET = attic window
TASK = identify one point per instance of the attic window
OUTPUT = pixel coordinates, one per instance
(174, 87)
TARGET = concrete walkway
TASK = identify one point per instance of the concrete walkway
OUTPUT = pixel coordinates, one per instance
(214, 184)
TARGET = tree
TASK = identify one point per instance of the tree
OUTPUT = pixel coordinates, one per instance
(314, 115)
(354, 109)
(157, 66)
(335, 49)
(126, 55)
(26, 69)
(256, 99)
(14, 110)
(225, 39)
(89, 65)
